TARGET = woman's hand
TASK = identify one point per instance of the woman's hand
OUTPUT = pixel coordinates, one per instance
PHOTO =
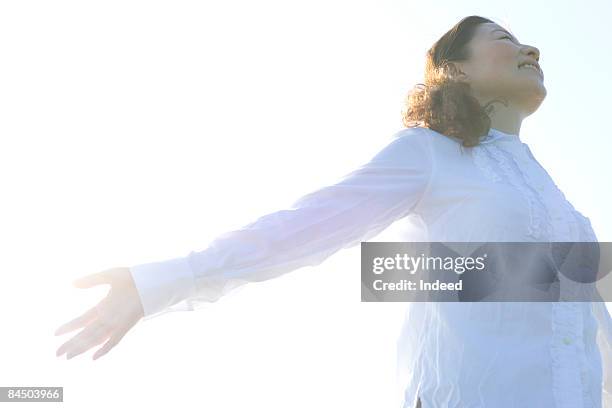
(109, 320)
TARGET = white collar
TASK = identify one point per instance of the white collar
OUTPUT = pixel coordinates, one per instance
(496, 134)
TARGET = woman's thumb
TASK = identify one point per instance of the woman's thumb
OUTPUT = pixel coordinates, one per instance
(98, 278)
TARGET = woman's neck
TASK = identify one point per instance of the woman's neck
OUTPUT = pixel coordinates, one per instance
(505, 116)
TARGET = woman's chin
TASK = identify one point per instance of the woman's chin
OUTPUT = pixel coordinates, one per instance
(535, 95)
(533, 87)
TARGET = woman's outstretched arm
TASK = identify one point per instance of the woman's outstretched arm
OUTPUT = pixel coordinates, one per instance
(359, 206)
(356, 208)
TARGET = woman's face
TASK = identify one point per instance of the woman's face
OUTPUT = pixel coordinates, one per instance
(494, 70)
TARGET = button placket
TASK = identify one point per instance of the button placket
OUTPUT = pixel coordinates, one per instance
(569, 384)
(567, 380)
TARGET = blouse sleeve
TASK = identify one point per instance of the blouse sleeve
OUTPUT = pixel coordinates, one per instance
(356, 208)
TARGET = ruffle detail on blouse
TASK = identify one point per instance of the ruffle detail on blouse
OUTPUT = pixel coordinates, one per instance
(581, 223)
(483, 162)
(498, 165)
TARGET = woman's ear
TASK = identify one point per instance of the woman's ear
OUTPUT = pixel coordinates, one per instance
(456, 71)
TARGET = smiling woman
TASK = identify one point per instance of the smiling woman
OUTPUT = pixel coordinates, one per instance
(463, 172)
(472, 68)
(481, 81)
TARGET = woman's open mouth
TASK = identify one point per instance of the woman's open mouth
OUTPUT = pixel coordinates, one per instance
(532, 67)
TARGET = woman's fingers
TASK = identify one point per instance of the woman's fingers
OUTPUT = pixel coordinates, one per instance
(98, 336)
(79, 322)
(112, 342)
(92, 335)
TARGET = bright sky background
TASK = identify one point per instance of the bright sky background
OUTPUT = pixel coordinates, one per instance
(135, 131)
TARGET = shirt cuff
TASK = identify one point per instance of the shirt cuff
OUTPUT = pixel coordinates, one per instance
(163, 284)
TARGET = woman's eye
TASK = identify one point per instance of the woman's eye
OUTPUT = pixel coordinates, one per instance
(505, 37)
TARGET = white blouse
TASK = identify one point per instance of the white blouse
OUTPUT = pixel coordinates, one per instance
(489, 354)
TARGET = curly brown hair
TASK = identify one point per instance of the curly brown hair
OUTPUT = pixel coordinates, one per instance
(444, 103)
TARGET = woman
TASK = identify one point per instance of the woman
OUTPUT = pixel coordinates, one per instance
(458, 172)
